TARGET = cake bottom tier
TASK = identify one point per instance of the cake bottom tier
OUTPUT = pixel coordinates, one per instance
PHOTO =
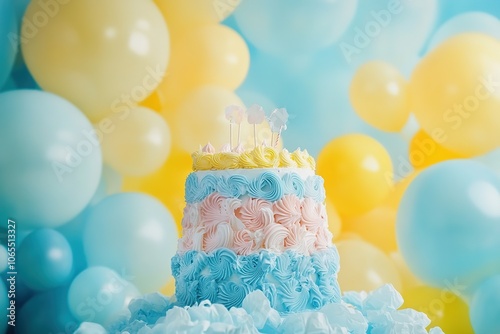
(292, 282)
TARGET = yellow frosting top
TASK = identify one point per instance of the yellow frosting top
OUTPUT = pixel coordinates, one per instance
(259, 157)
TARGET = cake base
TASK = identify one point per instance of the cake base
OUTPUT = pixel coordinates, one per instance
(291, 281)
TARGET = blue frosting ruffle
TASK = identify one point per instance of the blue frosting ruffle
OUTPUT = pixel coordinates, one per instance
(357, 313)
(292, 282)
(269, 186)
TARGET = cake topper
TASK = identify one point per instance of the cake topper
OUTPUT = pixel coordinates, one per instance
(234, 114)
(255, 115)
(277, 122)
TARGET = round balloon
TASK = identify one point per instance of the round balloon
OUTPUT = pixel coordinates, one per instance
(9, 39)
(456, 94)
(377, 226)
(107, 66)
(380, 96)
(444, 308)
(364, 267)
(186, 13)
(5, 307)
(100, 295)
(479, 22)
(44, 259)
(137, 143)
(46, 312)
(425, 151)
(135, 233)
(448, 223)
(289, 27)
(52, 164)
(408, 279)
(205, 55)
(166, 184)
(358, 173)
(485, 307)
(334, 221)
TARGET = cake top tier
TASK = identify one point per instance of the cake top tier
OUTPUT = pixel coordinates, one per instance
(262, 156)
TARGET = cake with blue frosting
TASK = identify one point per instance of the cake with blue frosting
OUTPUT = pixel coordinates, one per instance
(255, 220)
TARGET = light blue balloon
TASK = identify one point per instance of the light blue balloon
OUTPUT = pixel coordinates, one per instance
(50, 162)
(111, 183)
(9, 37)
(4, 305)
(484, 308)
(133, 234)
(73, 232)
(46, 312)
(448, 223)
(100, 295)
(285, 27)
(477, 22)
(393, 31)
(44, 259)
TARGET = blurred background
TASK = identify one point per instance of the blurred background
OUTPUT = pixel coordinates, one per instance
(104, 101)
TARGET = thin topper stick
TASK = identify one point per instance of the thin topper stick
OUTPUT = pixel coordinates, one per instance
(255, 115)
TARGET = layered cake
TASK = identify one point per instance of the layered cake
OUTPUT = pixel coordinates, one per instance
(255, 220)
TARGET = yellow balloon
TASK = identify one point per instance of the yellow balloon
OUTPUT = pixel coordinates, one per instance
(136, 142)
(200, 119)
(99, 55)
(456, 94)
(188, 12)
(364, 267)
(424, 151)
(155, 101)
(357, 172)
(166, 184)
(399, 189)
(205, 55)
(377, 227)
(408, 279)
(380, 96)
(442, 306)
(169, 288)
(334, 222)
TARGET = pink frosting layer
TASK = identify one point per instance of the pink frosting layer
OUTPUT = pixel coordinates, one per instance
(249, 225)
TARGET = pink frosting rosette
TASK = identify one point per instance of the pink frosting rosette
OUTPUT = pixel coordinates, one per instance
(221, 236)
(323, 238)
(216, 208)
(274, 237)
(312, 214)
(287, 210)
(255, 213)
(301, 240)
(245, 242)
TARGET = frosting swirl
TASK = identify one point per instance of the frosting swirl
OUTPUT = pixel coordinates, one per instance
(233, 186)
(255, 213)
(285, 160)
(261, 156)
(221, 263)
(266, 186)
(312, 215)
(314, 188)
(293, 184)
(274, 237)
(287, 210)
(232, 294)
(265, 156)
(220, 236)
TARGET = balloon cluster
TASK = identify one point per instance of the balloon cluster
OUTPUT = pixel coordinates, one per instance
(102, 103)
